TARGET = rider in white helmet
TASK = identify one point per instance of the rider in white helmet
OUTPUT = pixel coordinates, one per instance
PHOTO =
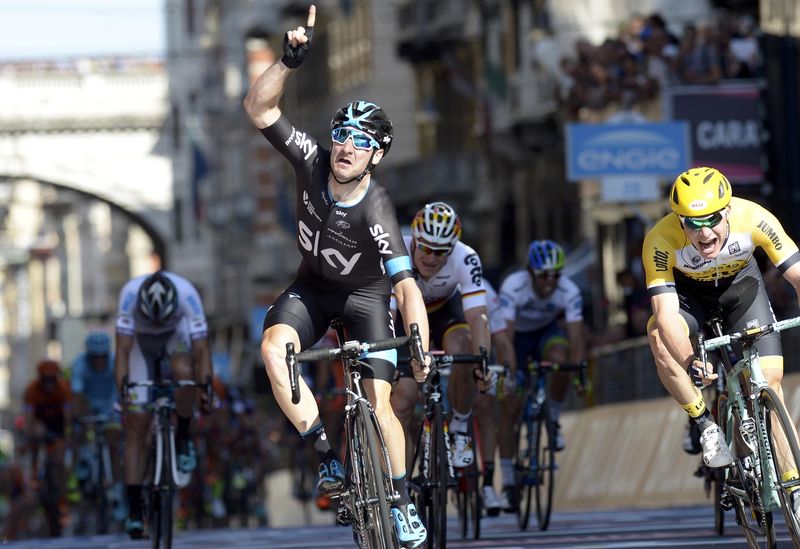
(448, 272)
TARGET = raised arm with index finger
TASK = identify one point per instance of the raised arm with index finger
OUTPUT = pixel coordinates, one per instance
(261, 102)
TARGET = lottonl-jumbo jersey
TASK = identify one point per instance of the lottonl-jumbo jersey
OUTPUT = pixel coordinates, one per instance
(462, 272)
(529, 312)
(667, 252)
(190, 310)
(350, 246)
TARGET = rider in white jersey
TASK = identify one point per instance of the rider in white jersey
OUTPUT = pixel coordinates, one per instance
(449, 275)
(486, 412)
(534, 300)
(160, 326)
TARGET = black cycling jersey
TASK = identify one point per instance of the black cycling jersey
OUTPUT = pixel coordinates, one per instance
(350, 247)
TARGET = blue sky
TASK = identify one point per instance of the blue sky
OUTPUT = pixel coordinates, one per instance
(48, 29)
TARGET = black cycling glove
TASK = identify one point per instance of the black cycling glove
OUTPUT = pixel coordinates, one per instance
(293, 56)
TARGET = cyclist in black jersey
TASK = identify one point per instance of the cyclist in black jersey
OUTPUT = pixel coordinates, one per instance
(353, 258)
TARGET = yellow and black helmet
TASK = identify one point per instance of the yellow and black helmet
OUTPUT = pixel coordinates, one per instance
(699, 191)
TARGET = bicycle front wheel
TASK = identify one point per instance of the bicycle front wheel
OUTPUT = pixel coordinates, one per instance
(436, 486)
(743, 480)
(373, 506)
(785, 455)
(161, 498)
(546, 466)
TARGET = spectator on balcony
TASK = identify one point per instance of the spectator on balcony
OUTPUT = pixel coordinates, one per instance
(743, 54)
(699, 56)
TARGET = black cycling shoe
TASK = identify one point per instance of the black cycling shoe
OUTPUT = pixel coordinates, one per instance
(331, 478)
(134, 526)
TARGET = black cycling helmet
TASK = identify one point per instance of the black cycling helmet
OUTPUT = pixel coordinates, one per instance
(367, 117)
(158, 298)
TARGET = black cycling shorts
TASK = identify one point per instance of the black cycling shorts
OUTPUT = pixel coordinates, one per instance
(450, 314)
(309, 308)
(741, 301)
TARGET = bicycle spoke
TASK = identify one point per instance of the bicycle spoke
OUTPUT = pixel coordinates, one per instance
(784, 453)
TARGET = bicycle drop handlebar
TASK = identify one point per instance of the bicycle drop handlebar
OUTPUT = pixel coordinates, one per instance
(167, 383)
(750, 335)
(544, 366)
(349, 350)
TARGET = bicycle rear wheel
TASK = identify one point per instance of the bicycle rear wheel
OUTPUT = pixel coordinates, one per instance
(785, 454)
(469, 502)
(523, 467)
(373, 506)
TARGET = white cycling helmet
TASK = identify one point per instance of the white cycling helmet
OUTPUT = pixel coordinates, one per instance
(436, 226)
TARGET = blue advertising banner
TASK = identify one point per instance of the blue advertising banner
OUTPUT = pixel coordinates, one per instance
(601, 150)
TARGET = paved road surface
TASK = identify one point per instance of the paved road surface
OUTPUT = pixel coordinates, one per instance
(628, 528)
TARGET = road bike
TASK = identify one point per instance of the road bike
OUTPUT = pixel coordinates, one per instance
(714, 479)
(761, 436)
(432, 459)
(535, 460)
(369, 494)
(96, 476)
(163, 476)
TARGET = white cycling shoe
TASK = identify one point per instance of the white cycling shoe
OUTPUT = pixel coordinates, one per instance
(463, 455)
(716, 453)
(491, 502)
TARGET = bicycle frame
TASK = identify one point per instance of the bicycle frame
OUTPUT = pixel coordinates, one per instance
(535, 464)
(370, 490)
(745, 383)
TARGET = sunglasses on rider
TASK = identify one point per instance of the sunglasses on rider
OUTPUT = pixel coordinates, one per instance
(360, 140)
(707, 221)
(545, 275)
(427, 250)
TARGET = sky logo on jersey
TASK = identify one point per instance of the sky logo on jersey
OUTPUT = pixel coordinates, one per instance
(381, 237)
(302, 142)
(309, 240)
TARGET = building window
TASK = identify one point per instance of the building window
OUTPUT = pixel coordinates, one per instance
(350, 41)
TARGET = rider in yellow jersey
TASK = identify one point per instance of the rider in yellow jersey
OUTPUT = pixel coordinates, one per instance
(699, 259)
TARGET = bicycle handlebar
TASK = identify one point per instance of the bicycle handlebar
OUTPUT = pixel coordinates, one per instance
(350, 349)
(750, 335)
(545, 366)
(166, 384)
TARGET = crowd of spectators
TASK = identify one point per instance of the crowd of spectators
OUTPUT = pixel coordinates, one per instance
(647, 55)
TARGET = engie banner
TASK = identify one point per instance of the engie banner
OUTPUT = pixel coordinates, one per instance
(725, 126)
(602, 150)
